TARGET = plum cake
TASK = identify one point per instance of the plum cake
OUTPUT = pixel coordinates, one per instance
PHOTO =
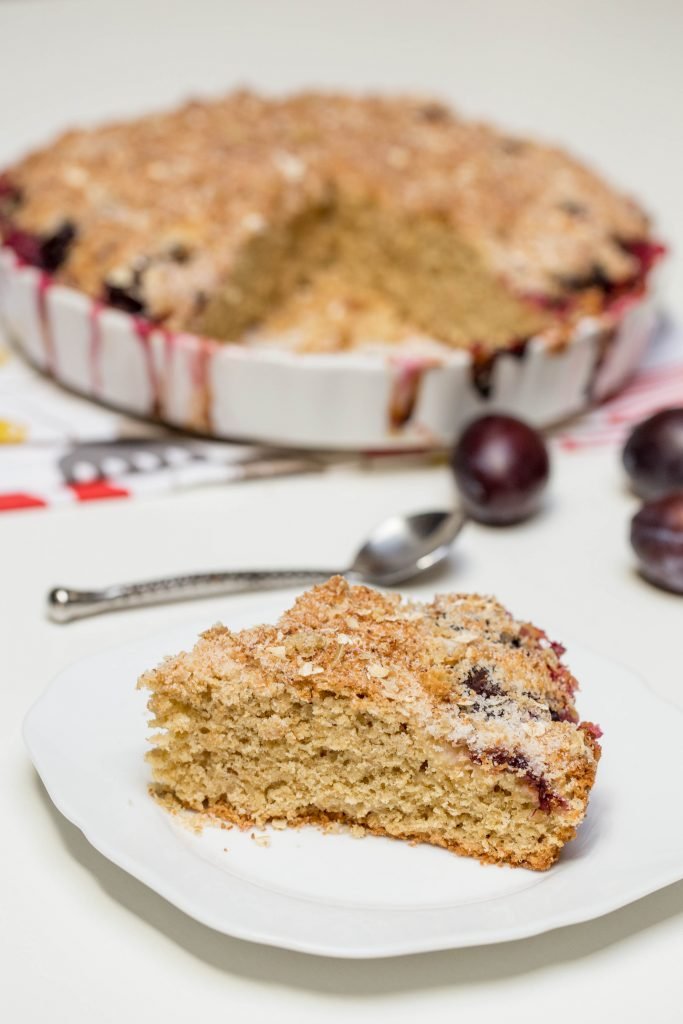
(448, 723)
(328, 222)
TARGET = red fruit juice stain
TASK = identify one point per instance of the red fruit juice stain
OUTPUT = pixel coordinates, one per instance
(96, 348)
(144, 331)
(44, 285)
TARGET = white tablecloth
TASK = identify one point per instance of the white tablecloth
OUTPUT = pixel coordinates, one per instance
(80, 940)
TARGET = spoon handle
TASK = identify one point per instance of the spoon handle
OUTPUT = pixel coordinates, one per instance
(65, 604)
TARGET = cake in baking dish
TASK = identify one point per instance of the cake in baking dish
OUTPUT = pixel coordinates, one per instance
(327, 222)
(448, 723)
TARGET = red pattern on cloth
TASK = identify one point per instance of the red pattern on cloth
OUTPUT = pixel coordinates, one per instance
(653, 389)
(14, 500)
(97, 490)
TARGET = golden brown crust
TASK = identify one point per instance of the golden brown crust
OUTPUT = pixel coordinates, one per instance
(173, 198)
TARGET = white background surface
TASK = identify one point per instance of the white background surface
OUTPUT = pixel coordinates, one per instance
(80, 941)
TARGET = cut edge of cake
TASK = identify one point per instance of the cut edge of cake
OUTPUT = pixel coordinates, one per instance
(449, 723)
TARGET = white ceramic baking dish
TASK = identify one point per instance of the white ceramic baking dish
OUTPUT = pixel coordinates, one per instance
(360, 400)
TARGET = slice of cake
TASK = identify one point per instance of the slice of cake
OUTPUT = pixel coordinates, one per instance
(448, 723)
(326, 222)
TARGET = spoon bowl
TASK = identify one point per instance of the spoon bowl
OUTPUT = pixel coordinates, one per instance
(402, 547)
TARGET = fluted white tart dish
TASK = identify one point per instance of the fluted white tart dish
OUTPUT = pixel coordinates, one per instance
(394, 398)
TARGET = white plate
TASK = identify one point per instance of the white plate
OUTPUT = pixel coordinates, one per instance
(332, 894)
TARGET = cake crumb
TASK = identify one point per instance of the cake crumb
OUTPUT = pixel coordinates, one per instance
(260, 840)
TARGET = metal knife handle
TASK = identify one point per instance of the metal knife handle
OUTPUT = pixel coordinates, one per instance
(65, 604)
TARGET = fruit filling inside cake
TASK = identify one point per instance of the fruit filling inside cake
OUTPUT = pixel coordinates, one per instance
(327, 222)
(448, 723)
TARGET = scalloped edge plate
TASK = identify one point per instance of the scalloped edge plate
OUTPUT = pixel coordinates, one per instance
(330, 894)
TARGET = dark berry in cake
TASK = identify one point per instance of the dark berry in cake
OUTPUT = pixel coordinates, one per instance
(55, 249)
(47, 252)
(479, 680)
(127, 299)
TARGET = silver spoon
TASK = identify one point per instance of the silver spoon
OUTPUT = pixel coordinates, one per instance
(397, 550)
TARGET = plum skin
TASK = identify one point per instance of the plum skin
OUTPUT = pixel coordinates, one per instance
(657, 539)
(501, 467)
(653, 454)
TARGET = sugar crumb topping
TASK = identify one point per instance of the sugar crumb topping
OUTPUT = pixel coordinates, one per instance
(194, 182)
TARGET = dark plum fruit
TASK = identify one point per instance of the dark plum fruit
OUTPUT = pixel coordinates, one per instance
(653, 454)
(657, 539)
(501, 467)
(55, 249)
(47, 252)
(127, 299)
